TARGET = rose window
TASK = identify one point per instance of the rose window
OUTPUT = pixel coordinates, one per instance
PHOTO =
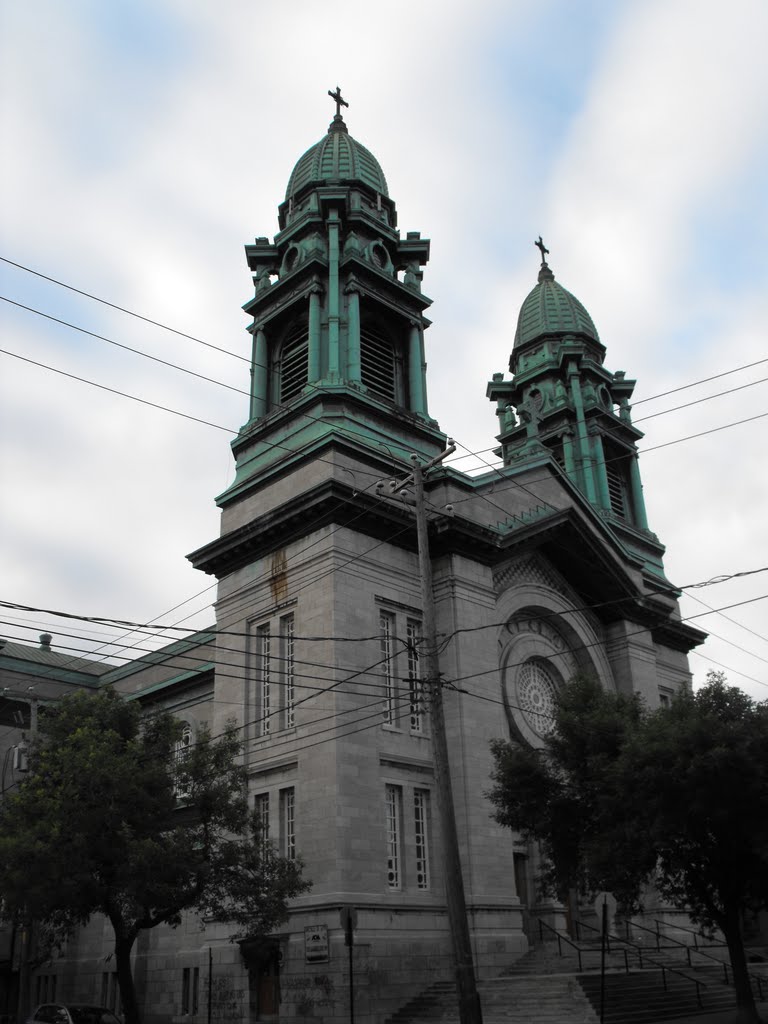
(536, 692)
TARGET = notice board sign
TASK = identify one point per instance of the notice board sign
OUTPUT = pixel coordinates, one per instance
(316, 944)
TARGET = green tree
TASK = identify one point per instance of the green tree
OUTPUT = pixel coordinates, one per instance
(111, 819)
(620, 797)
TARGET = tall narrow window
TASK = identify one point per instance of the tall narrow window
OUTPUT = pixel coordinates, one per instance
(287, 659)
(617, 474)
(615, 489)
(261, 812)
(413, 632)
(288, 823)
(387, 650)
(421, 827)
(394, 796)
(293, 362)
(183, 785)
(195, 996)
(185, 991)
(378, 365)
(263, 678)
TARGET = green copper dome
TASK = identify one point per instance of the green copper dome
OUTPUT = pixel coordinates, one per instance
(550, 309)
(337, 157)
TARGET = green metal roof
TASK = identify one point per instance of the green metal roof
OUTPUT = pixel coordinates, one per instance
(551, 309)
(337, 157)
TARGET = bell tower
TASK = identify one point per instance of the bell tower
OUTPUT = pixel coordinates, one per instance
(338, 318)
(562, 404)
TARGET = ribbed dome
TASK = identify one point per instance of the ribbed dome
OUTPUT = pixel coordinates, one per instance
(337, 157)
(550, 309)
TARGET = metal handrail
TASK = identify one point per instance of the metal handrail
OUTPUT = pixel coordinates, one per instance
(700, 952)
(543, 924)
(608, 937)
(657, 936)
(673, 970)
(696, 933)
(657, 963)
(752, 977)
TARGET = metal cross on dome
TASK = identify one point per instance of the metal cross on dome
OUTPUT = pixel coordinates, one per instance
(543, 249)
(339, 100)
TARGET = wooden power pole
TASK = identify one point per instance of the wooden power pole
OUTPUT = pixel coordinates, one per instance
(470, 1011)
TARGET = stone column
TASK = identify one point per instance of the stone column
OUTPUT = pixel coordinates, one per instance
(582, 441)
(570, 465)
(354, 367)
(636, 491)
(333, 296)
(416, 375)
(601, 474)
(313, 358)
(259, 376)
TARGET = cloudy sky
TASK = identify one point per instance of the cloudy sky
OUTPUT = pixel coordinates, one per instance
(145, 142)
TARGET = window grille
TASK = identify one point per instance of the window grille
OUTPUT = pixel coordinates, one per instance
(263, 678)
(616, 488)
(261, 815)
(421, 825)
(415, 684)
(378, 366)
(289, 676)
(288, 823)
(294, 357)
(394, 811)
(183, 785)
(387, 650)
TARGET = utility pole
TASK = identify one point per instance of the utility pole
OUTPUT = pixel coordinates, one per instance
(470, 1011)
(23, 1008)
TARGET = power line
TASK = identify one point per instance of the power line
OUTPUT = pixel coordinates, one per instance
(234, 355)
(122, 394)
(712, 581)
(698, 401)
(127, 348)
(122, 309)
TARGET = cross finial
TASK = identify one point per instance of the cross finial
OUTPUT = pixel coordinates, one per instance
(543, 249)
(339, 100)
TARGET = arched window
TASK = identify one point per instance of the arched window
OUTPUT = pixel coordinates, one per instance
(292, 373)
(380, 365)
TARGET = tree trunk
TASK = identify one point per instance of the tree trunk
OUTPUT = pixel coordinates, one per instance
(746, 1011)
(123, 947)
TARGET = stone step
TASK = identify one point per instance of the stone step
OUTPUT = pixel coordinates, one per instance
(642, 998)
(554, 1000)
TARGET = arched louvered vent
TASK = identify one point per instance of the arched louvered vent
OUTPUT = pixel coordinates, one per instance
(293, 362)
(378, 364)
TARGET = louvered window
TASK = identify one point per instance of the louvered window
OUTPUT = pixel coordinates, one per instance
(379, 369)
(615, 489)
(617, 476)
(293, 363)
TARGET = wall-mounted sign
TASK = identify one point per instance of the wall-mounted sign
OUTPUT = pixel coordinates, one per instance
(316, 944)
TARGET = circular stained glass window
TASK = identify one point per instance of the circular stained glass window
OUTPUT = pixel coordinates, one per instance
(536, 692)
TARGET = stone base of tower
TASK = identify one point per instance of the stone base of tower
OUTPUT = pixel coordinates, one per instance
(396, 954)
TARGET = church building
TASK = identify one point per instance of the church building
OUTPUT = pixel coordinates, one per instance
(543, 568)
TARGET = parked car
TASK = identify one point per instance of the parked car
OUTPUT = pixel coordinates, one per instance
(72, 1013)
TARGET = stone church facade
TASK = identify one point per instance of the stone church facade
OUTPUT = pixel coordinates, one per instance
(543, 568)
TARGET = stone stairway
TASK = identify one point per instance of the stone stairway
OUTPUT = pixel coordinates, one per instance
(645, 997)
(511, 1000)
(544, 987)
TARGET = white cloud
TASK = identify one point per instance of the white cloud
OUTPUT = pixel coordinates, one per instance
(139, 176)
